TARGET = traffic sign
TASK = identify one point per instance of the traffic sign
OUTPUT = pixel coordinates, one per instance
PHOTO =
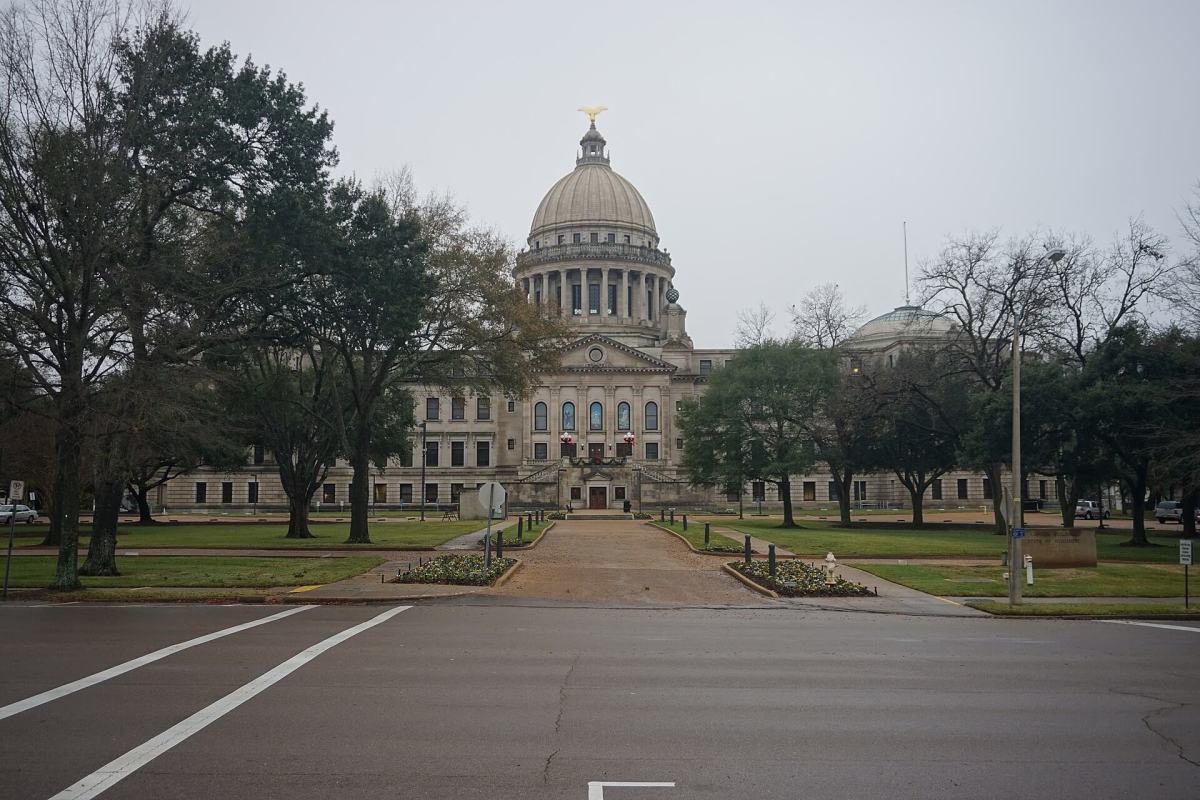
(1018, 533)
(1185, 552)
(16, 491)
(493, 492)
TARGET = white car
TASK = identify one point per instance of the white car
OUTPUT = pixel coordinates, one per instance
(22, 513)
(1089, 509)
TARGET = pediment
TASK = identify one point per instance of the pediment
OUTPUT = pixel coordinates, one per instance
(614, 357)
(597, 474)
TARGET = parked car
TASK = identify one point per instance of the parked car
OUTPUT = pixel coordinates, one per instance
(1089, 509)
(1171, 511)
(23, 514)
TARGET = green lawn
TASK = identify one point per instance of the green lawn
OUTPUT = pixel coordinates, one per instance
(395, 535)
(35, 572)
(1107, 580)
(1002, 608)
(527, 535)
(695, 534)
(816, 538)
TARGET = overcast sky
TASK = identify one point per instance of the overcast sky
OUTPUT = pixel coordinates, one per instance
(779, 145)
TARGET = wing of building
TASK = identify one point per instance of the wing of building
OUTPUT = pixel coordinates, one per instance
(602, 430)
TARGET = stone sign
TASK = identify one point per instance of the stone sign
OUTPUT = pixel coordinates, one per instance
(1060, 547)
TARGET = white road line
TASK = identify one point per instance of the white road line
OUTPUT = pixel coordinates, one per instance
(596, 788)
(123, 766)
(149, 658)
(1150, 625)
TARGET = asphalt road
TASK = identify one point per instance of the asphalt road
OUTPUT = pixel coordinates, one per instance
(479, 699)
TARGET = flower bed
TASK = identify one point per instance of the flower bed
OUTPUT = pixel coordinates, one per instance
(795, 578)
(460, 570)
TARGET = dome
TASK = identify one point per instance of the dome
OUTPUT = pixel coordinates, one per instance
(593, 195)
(903, 322)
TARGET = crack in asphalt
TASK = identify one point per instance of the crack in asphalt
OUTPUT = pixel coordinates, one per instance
(546, 767)
(562, 693)
(1172, 705)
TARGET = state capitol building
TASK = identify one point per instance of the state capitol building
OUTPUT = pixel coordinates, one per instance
(602, 429)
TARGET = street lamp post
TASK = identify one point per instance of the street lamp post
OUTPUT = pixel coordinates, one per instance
(1017, 513)
(424, 461)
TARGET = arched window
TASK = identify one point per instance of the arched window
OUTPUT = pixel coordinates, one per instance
(596, 417)
(568, 416)
(539, 417)
(652, 416)
(623, 421)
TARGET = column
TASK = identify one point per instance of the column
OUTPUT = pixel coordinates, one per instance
(564, 294)
(604, 291)
(623, 301)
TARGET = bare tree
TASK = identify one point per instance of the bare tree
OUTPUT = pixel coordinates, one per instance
(1184, 294)
(754, 327)
(823, 320)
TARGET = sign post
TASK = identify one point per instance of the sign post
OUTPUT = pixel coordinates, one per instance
(16, 491)
(1185, 558)
(496, 496)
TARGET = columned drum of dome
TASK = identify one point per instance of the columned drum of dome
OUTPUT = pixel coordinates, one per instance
(593, 253)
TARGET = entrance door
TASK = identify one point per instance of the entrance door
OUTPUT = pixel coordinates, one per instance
(596, 451)
(597, 497)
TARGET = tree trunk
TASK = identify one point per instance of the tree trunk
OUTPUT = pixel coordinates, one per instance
(1138, 507)
(66, 484)
(102, 549)
(142, 495)
(844, 479)
(917, 496)
(53, 536)
(1066, 504)
(993, 475)
(360, 489)
(298, 504)
(785, 491)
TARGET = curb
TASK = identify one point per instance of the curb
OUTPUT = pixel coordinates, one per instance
(690, 546)
(530, 545)
(503, 579)
(749, 583)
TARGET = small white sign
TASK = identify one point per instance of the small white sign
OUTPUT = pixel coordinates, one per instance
(1185, 552)
(16, 491)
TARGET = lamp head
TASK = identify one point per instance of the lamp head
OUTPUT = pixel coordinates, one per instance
(1055, 255)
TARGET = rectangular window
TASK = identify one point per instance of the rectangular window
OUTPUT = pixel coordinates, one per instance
(406, 457)
(624, 449)
(962, 488)
(679, 405)
(458, 408)
(612, 238)
(759, 490)
(732, 497)
(252, 492)
(810, 491)
(226, 491)
(406, 493)
(705, 366)
(539, 451)
(431, 408)
(1042, 489)
(561, 238)
(652, 451)
(431, 493)
(576, 492)
(574, 238)
(577, 298)
(987, 489)
(260, 454)
(627, 238)
(594, 238)
(201, 492)
(380, 494)
(512, 444)
(936, 489)
(512, 406)
(618, 493)
(678, 444)
(860, 490)
(593, 298)
(629, 302)
(431, 454)
(457, 454)
(612, 299)
(567, 450)
(328, 493)
(455, 492)
(835, 492)
(483, 408)
(483, 454)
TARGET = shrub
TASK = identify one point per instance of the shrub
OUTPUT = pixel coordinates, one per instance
(795, 578)
(459, 570)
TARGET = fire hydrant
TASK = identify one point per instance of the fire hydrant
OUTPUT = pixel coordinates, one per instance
(830, 566)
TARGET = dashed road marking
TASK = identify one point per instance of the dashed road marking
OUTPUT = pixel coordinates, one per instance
(123, 766)
(120, 669)
(596, 788)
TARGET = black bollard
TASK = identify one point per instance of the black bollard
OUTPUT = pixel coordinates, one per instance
(706, 534)
(499, 544)
(662, 515)
(519, 541)
(771, 559)
(747, 548)
(529, 519)
(685, 522)
(520, 522)
(672, 516)
(540, 515)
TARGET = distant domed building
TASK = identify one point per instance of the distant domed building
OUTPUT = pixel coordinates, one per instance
(602, 429)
